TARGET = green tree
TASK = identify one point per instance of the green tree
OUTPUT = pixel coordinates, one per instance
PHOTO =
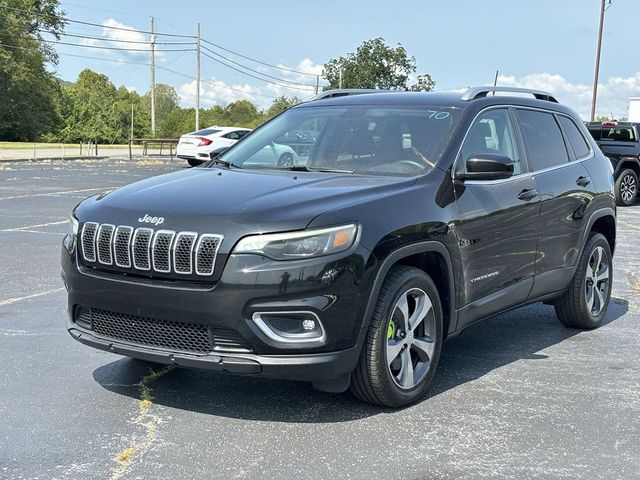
(166, 104)
(280, 104)
(374, 64)
(241, 113)
(30, 93)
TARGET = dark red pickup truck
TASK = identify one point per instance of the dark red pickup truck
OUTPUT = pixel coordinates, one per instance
(620, 142)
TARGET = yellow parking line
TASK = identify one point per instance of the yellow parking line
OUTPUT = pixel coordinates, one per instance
(144, 418)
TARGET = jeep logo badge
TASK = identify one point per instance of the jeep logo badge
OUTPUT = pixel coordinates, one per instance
(148, 219)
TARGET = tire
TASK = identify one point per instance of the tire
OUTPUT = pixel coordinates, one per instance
(194, 162)
(581, 306)
(626, 188)
(375, 380)
(285, 160)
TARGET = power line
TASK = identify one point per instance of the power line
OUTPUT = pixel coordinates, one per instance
(80, 22)
(256, 71)
(258, 61)
(118, 48)
(64, 54)
(256, 77)
(103, 39)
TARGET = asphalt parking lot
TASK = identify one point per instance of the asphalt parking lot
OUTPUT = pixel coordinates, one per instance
(518, 396)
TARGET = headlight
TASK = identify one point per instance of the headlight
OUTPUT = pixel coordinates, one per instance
(297, 245)
(73, 226)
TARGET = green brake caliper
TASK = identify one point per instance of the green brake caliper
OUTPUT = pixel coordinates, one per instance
(391, 331)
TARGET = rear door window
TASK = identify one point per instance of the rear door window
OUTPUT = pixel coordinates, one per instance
(577, 141)
(542, 138)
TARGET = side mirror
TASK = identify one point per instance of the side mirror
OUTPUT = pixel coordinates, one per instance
(217, 152)
(487, 166)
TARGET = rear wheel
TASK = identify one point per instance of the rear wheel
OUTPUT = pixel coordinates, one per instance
(585, 303)
(285, 160)
(402, 347)
(627, 188)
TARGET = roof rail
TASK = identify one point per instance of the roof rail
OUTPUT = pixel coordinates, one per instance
(343, 92)
(481, 92)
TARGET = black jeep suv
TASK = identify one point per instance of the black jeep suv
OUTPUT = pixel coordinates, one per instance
(619, 141)
(412, 216)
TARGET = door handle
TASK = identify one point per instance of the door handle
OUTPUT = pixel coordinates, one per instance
(527, 194)
(583, 181)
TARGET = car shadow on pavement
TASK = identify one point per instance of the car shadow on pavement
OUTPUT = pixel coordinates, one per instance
(480, 349)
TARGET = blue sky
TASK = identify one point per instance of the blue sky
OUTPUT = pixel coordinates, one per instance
(547, 44)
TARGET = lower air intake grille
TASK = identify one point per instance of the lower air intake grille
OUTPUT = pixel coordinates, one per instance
(187, 337)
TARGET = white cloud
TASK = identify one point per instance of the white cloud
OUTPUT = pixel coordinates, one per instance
(127, 39)
(613, 93)
(218, 92)
(215, 92)
(307, 82)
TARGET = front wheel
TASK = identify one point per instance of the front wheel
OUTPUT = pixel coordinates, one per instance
(626, 188)
(585, 303)
(402, 347)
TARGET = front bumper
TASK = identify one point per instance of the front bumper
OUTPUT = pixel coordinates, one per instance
(333, 288)
(309, 367)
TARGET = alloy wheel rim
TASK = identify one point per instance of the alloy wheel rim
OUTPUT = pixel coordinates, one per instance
(410, 338)
(628, 188)
(597, 281)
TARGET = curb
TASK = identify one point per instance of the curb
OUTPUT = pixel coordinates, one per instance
(45, 159)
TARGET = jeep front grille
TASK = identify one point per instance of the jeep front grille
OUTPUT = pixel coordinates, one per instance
(146, 250)
(166, 334)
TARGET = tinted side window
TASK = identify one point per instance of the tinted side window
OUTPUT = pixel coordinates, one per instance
(232, 136)
(579, 145)
(543, 140)
(492, 132)
(621, 134)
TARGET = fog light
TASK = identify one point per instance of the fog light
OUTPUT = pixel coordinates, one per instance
(290, 327)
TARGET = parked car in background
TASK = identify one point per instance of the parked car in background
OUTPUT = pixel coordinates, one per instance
(620, 142)
(194, 147)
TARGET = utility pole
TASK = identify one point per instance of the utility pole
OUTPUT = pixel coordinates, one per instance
(153, 81)
(198, 77)
(604, 4)
(131, 136)
(317, 83)
(340, 79)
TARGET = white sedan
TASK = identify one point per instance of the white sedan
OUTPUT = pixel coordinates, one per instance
(194, 147)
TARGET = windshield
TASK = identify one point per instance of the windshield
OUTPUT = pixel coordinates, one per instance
(380, 140)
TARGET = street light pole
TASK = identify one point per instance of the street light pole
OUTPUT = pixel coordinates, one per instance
(603, 7)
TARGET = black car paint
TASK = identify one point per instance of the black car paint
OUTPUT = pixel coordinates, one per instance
(469, 230)
(622, 154)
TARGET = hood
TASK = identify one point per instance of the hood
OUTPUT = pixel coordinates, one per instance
(234, 203)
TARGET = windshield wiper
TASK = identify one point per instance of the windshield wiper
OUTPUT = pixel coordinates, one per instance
(304, 168)
(219, 161)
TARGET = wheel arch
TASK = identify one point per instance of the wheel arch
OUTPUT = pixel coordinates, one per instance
(434, 259)
(601, 221)
(631, 163)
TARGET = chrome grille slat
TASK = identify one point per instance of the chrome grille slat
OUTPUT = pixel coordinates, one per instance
(103, 243)
(140, 248)
(88, 237)
(183, 252)
(206, 252)
(122, 246)
(161, 251)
